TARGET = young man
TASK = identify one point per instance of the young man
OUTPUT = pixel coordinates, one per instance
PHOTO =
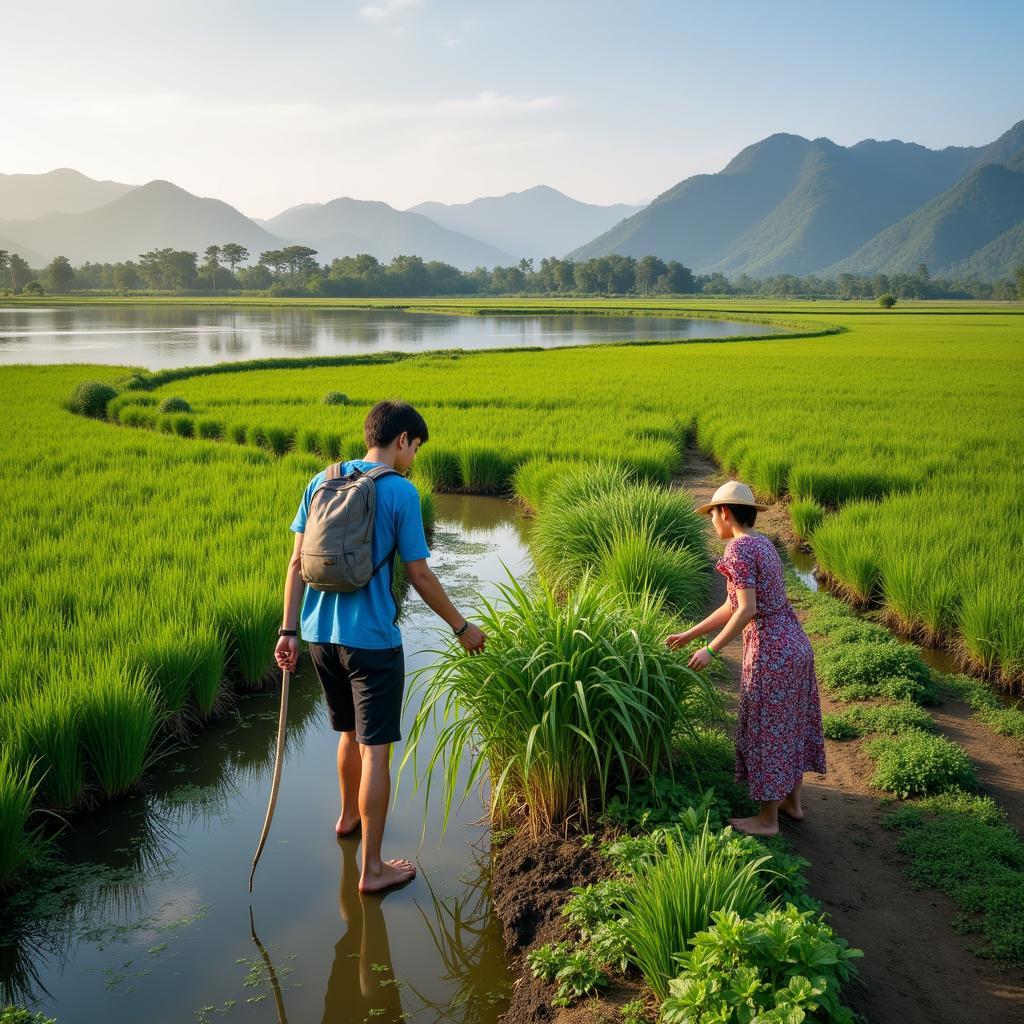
(354, 643)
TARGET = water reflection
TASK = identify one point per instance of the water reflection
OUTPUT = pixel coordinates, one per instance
(157, 336)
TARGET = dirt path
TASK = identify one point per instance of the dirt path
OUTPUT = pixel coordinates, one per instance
(916, 969)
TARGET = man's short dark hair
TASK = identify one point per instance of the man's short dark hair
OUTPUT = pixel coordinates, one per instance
(745, 515)
(387, 420)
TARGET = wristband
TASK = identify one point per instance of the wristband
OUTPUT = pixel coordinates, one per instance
(462, 629)
(287, 632)
(714, 654)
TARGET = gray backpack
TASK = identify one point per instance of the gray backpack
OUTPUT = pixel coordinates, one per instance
(337, 546)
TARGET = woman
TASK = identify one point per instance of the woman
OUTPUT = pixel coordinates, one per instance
(779, 734)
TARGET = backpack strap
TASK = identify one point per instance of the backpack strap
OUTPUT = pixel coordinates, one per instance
(334, 471)
(378, 471)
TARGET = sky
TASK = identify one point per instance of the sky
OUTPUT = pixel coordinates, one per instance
(267, 105)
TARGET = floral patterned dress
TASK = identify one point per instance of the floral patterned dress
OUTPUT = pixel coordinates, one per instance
(778, 736)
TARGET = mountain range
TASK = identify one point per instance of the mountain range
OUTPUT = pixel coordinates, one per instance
(784, 205)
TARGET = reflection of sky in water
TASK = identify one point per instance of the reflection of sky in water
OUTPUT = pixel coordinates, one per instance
(164, 336)
(161, 930)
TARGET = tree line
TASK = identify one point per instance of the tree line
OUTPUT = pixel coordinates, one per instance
(295, 271)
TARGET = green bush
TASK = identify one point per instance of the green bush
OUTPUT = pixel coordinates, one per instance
(568, 699)
(917, 763)
(780, 966)
(883, 718)
(887, 301)
(174, 404)
(335, 398)
(676, 894)
(90, 398)
(21, 1015)
(868, 663)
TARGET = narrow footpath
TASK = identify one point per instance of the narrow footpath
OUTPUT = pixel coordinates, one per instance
(916, 968)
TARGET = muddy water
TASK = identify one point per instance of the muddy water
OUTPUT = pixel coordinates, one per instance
(150, 918)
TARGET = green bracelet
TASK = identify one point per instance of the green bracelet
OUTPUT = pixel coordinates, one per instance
(714, 654)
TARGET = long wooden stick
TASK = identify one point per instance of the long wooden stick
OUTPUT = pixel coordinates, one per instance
(282, 722)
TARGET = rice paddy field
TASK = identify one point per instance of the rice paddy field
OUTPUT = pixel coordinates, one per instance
(142, 552)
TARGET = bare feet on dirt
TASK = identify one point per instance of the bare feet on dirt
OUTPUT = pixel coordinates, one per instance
(346, 826)
(791, 809)
(392, 872)
(753, 826)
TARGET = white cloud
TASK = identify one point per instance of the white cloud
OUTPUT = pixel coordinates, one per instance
(381, 10)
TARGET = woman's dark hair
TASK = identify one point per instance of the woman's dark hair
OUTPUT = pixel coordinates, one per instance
(745, 515)
(386, 420)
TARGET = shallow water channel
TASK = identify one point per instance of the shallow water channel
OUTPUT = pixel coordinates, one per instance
(150, 919)
(160, 336)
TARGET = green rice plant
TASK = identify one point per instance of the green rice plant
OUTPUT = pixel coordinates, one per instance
(335, 398)
(484, 470)
(169, 662)
(209, 651)
(16, 792)
(139, 418)
(779, 965)
(806, 515)
(635, 566)
(330, 446)
(569, 536)
(567, 700)
(277, 440)
(917, 763)
(306, 441)
(48, 726)
(238, 433)
(354, 448)
(653, 461)
(119, 721)
(768, 474)
(174, 404)
(437, 468)
(675, 896)
(534, 480)
(248, 620)
(210, 429)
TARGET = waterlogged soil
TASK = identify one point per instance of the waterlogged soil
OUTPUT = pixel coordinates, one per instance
(146, 917)
(916, 969)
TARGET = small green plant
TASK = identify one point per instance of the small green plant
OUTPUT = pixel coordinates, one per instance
(174, 404)
(779, 966)
(90, 398)
(872, 665)
(335, 398)
(917, 763)
(578, 975)
(883, 718)
(597, 904)
(546, 961)
(21, 1015)
(633, 1012)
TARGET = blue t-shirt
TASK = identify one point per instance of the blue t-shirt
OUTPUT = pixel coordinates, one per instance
(366, 617)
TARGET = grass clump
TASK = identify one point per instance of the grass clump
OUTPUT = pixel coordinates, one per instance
(90, 398)
(867, 668)
(484, 470)
(916, 763)
(16, 792)
(962, 845)
(569, 699)
(675, 896)
(904, 716)
(806, 515)
(438, 469)
(335, 398)
(779, 965)
(174, 404)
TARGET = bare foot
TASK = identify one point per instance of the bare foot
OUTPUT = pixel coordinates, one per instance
(346, 826)
(791, 809)
(392, 872)
(753, 826)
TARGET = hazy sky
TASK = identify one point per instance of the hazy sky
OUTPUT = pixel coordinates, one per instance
(267, 104)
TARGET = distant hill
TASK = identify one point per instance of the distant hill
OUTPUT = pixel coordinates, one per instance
(33, 259)
(345, 227)
(978, 212)
(786, 205)
(1000, 258)
(153, 216)
(23, 196)
(537, 222)
(790, 205)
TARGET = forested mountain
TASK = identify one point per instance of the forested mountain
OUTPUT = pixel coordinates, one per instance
(538, 222)
(346, 227)
(23, 196)
(789, 205)
(156, 215)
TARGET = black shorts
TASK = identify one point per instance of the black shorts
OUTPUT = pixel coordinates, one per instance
(363, 689)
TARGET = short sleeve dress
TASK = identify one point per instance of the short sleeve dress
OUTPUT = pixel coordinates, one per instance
(779, 735)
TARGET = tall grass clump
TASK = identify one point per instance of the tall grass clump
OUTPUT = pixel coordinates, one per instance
(806, 515)
(16, 792)
(676, 894)
(568, 700)
(248, 618)
(437, 468)
(119, 720)
(484, 470)
(48, 731)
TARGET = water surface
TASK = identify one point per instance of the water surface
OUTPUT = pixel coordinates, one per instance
(150, 919)
(157, 336)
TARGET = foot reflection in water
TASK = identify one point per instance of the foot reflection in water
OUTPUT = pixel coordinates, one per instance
(362, 986)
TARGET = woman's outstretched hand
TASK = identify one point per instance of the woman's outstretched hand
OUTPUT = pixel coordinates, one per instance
(677, 640)
(699, 659)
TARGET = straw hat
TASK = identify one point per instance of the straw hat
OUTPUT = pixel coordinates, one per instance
(732, 493)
